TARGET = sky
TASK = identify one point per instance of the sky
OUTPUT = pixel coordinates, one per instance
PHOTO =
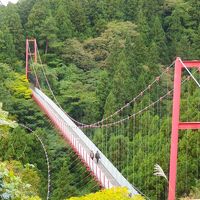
(5, 2)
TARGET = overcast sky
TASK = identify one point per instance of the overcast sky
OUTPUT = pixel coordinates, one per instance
(5, 2)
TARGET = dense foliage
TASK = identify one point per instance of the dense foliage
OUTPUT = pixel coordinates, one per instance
(98, 55)
(15, 181)
(114, 193)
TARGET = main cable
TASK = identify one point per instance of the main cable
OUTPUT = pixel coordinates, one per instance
(35, 73)
(115, 113)
(46, 155)
(189, 73)
(93, 125)
(142, 110)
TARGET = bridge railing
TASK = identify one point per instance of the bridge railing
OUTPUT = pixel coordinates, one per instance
(69, 129)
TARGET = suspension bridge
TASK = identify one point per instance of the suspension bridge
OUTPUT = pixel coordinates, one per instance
(114, 170)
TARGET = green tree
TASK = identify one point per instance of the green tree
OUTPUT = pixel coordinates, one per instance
(158, 36)
(118, 150)
(13, 22)
(12, 186)
(110, 105)
(74, 52)
(64, 188)
(122, 86)
(24, 8)
(79, 19)
(63, 21)
(37, 19)
(194, 6)
(103, 88)
(7, 47)
(143, 27)
(176, 28)
(49, 33)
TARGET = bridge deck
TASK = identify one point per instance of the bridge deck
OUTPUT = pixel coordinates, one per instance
(100, 165)
(104, 171)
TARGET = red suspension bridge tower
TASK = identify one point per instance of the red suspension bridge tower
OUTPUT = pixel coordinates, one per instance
(31, 53)
(176, 124)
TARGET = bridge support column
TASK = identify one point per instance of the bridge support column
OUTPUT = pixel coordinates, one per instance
(174, 135)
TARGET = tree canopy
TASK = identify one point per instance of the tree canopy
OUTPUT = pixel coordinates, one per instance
(97, 56)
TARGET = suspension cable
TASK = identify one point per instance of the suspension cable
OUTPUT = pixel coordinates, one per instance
(46, 155)
(134, 114)
(136, 97)
(115, 113)
(140, 111)
(94, 125)
(189, 73)
(35, 73)
(52, 93)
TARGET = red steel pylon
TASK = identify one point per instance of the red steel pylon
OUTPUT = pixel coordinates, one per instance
(176, 124)
(30, 54)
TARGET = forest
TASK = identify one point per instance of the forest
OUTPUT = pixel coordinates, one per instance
(98, 55)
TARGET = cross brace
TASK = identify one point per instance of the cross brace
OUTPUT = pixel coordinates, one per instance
(189, 125)
(191, 64)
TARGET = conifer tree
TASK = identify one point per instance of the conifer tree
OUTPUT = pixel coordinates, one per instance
(79, 19)
(122, 86)
(7, 47)
(49, 32)
(143, 26)
(110, 105)
(12, 22)
(37, 16)
(158, 36)
(24, 8)
(64, 188)
(63, 22)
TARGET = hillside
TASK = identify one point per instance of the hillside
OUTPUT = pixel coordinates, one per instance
(98, 55)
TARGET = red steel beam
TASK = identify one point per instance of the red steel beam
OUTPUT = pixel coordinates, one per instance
(189, 125)
(191, 64)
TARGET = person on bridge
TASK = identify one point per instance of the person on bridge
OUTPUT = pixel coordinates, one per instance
(91, 154)
(97, 156)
